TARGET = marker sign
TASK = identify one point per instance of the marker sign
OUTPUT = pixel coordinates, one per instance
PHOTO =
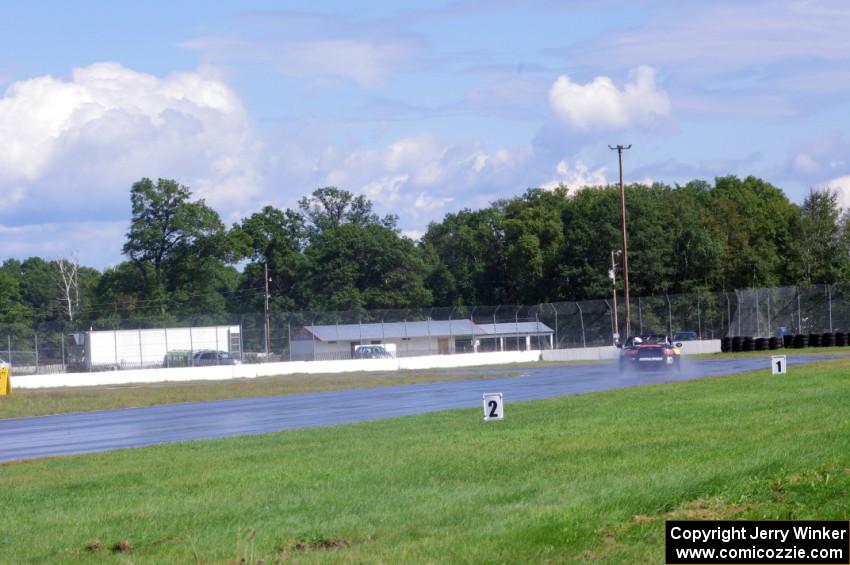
(778, 364)
(494, 407)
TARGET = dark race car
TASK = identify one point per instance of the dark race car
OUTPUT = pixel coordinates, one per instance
(654, 351)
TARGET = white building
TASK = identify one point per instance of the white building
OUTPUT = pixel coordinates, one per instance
(121, 349)
(430, 337)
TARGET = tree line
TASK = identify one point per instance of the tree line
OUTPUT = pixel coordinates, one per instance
(333, 252)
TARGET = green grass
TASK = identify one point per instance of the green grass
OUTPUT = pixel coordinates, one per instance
(39, 402)
(586, 478)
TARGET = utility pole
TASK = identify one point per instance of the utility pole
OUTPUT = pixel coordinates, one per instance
(619, 149)
(613, 275)
(266, 307)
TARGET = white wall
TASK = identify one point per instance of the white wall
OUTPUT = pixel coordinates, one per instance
(611, 352)
(582, 354)
(268, 369)
(701, 346)
(134, 347)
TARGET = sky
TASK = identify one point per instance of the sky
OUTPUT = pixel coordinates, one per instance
(424, 107)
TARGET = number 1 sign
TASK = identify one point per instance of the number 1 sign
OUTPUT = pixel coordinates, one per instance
(778, 364)
(494, 408)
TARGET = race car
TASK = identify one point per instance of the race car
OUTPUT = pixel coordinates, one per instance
(653, 351)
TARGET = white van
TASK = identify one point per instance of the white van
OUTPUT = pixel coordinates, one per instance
(375, 351)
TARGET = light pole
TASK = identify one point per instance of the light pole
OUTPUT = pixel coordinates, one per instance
(619, 149)
(613, 276)
(266, 324)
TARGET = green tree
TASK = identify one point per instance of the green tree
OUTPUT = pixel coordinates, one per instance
(817, 240)
(276, 238)
(468, 246)
(165, 223)
(330, 207)
(178, 247)
(357, 267)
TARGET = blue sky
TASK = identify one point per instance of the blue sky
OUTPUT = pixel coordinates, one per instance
(425, 107)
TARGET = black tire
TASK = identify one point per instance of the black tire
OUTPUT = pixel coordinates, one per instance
(737, 343)
(840, 339)
(827, 339)
(814, 340)
(749, 344)
(801, 341)
(762, 343)
(726, 344)
(774, 342)
(788, 341)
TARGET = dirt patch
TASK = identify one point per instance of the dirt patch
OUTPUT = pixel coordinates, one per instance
(321, 543)
(93, 545)
(123, 546)
(707, 509)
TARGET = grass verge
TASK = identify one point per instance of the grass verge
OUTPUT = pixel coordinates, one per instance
(39, 402)
(586, 478)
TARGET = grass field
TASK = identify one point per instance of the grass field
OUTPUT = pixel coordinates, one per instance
(39, 402)
(586, 478)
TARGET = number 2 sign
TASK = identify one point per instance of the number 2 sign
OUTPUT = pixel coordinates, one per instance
(494, 408)
(778, 365)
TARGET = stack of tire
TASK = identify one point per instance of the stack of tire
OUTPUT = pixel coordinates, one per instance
(796, 341)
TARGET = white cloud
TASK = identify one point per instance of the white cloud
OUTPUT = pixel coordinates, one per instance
(841, 186)
(89, 240)
(386, 189)
(77, 145)
(365, 61)
(430, 203)
(577, 176)
(600, 105)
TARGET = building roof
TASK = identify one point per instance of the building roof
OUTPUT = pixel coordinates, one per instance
(428, 328)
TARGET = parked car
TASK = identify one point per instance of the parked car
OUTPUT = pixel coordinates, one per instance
(650, 351)
(210, 357)
(371, 352)
(685, 336)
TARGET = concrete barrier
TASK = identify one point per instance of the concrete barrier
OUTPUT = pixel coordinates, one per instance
(700, 346)
(225, 372)
(582, 354)
(611, 352)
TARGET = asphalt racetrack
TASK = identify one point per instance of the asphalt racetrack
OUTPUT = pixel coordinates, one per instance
(67, 434)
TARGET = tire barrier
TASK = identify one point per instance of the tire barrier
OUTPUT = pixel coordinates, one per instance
(797, 341)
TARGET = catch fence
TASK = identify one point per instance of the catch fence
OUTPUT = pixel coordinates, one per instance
(153, 342)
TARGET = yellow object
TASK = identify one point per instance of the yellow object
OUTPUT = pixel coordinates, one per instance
(5, 381)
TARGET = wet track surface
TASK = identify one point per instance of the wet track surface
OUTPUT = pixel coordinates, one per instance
(67, 434)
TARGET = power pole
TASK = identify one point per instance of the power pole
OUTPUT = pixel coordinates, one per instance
(266, 307)
(619, 149)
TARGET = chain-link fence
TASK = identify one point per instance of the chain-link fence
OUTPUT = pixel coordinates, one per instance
(166, 342)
